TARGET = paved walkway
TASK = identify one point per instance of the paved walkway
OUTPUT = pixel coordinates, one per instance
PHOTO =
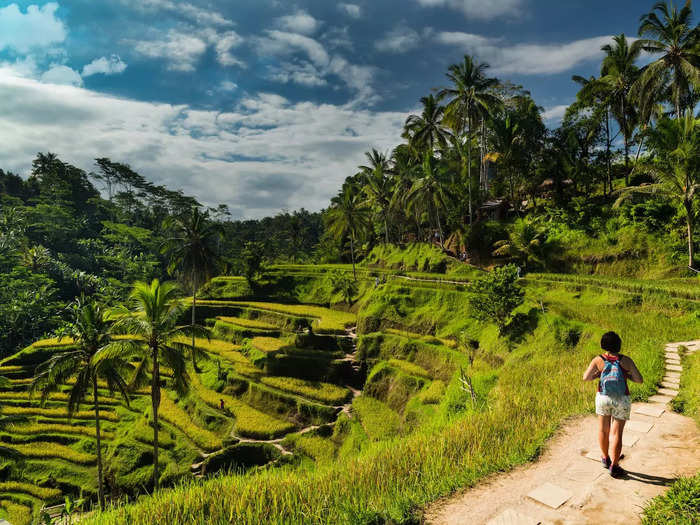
(568, 485)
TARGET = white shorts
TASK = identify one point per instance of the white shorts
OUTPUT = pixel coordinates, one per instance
(618, 407)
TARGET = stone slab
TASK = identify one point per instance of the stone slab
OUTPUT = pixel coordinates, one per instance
(629, 439)
(670, 384)
(649, 410)
(672, 355)
(674, 362)
(513, 517)
(639, 426)
(583, 471)
(550, 495)
(673, 375)
(660, 399)
(674, 368)
(594, 455)
(668, 392)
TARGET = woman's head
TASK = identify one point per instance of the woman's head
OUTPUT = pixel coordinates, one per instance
(611, 342)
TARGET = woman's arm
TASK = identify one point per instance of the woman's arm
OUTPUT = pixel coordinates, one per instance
(593, 371)
(633, 373)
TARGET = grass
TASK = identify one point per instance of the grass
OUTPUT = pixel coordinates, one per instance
(17, 514)
(432, 395)
(268, 344)
(680, 505)
(323, 392)
(55, 428)
(173, 414)
(409, 368)
(53, 396)
(45, 449)
(247, 323)
(377, 419)
(250, 423)
(43, 493)
(688, 399)
(58, 413)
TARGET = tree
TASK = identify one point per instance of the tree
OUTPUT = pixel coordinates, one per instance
(90, 330)
(471, 98)
(507, 138)
(620, 72)
(348, 215)
(669, 32)
(675, 166)
(525, 243)
(340, 283)
(191, 247)
(378, 185)
(496, 296)
(425, 132)
(152, 330)
(432, 189)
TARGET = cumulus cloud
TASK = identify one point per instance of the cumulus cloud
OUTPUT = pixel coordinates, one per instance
(224, 44)
(281, 43)
(352, 10)
(523, 58)
(190, 11)
(263, 155)
(480, 9)
(104, 66)
(36, 28)
(182, 51)
(62, 75)
(399, 40)
(300, 22)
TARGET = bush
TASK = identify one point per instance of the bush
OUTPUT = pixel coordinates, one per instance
(679, 506)
(494, 297)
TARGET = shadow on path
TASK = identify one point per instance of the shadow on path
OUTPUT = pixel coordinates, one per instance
(649, 479)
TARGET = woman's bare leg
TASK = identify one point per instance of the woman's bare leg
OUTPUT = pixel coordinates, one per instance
(617, 427)
(604, 435)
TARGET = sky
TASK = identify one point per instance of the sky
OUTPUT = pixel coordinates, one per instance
(267, 105)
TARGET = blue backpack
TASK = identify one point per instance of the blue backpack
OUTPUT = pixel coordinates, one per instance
(612, 378)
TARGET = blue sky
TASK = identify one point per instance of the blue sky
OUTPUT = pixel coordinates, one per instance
(267, 104)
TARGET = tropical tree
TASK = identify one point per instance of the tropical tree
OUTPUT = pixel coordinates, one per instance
(405, 167)
(431, 188)
(675, 165)
(507, 137)
(348, 215)
(620, 72)
(341, 283)
(378, 185)
(471, 98)
(191, 246)
(152, 330)
(669, 32)
(425, 132)
(525, 244)
(86, 363)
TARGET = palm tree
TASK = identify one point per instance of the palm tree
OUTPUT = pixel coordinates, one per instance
(425, 131)
(674, 164)
(507, 137)
(153, 330)
(525, 243)
(471, 98)
(670, 32)
(404, 167)
(620, 72)
(91, 331)
(432, 189)
(348, 215)
(192, 249)
(378, 185)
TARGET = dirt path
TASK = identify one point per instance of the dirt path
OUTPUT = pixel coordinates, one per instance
(568, 484)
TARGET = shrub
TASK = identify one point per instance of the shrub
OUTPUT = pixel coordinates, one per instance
(323, 392)
(680, 505)
(494, 297)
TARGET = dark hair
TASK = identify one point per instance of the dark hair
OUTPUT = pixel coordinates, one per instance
(611, 342)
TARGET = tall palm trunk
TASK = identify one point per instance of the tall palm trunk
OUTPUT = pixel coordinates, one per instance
(100, 482)
(155, 403)
(483, 147)
(689, 220)
(469, 171)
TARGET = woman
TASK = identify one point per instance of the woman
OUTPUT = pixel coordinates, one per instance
(612, 402)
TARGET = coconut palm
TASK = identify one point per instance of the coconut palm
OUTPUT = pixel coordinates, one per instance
(152, 330)
(675, 165)
(525, 243)
(191, 246)
(404, 171)
(507, 137)
(620, 72)
(378, 185)
(425, 131)
(348, 215)
(432, 189)
(669, 31)
(90, 330)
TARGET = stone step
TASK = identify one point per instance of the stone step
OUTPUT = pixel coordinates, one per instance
(668, 392)
(673, 375)
(674, 368)
(639, 426)
(673, 362)
(648, 410)
(670, 384)
(550, 495)
(660, 399)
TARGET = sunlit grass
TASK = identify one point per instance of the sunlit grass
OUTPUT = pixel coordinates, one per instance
(57, 413)
(45, 449)
(323, 392)
(173, 414)
(44, 493)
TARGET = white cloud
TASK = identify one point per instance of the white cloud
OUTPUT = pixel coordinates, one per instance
(305, 74)
(300, 22)
(182, 51)
(526, 59)
(225, 43)
(37, 28)
(480, 9)
(227, 85)
(555, 114)
(194, 13)
(281, 43)
(105, 66)
(263, 155)
(352, 10)
(62, 75)
(401, 39)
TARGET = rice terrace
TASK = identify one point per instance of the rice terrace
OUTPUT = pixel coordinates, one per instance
(480, 311)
